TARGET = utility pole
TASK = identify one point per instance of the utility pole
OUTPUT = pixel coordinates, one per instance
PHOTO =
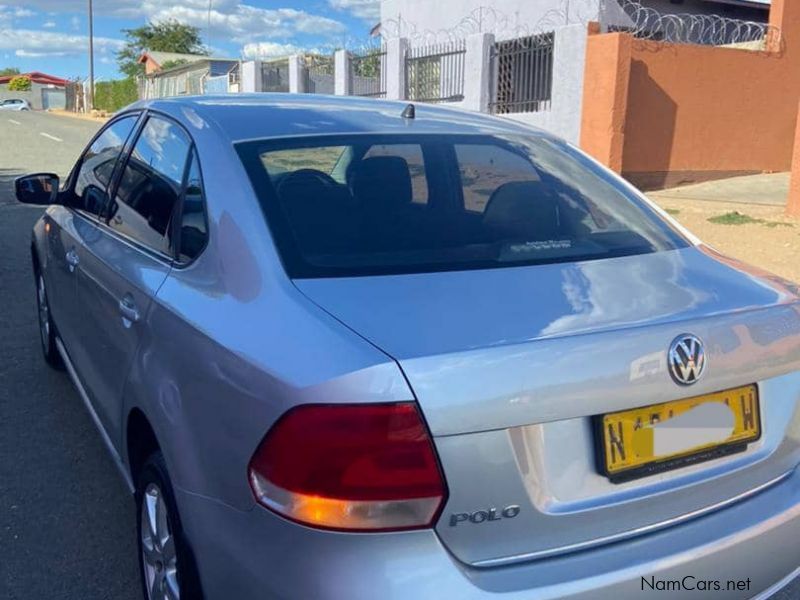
(90, 93)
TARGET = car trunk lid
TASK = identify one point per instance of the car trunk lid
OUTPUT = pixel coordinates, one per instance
(511, 366)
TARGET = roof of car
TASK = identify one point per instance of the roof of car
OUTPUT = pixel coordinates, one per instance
(269, 115)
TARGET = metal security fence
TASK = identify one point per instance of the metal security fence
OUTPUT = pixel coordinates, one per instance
(319, 74)
(368, 73)
(644, 22)
(436, 73)
(522, 74)
(275, 76)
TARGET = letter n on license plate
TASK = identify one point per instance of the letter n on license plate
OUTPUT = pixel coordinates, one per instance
(643, 441)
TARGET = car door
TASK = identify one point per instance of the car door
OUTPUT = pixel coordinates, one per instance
(84, 197)
(125, 263)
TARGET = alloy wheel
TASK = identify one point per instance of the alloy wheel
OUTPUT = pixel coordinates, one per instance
(158, 547)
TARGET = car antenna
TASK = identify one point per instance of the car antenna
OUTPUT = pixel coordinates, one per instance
(409, 112)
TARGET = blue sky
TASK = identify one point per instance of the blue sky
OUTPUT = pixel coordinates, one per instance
(51, 35)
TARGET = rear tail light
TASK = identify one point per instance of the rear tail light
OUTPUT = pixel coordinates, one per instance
(351, 467)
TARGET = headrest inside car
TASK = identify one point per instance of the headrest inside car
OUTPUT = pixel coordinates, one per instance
(524, 209)
(381, 182)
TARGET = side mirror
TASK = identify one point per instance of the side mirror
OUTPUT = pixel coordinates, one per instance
(39, 188)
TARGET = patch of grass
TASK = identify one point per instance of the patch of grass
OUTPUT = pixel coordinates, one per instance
(672, 211)
(737, 218)
(734, 218)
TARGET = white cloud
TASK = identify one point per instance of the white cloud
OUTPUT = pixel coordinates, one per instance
(369, 10)
(49, 24)
(229, 19)
(38, 43)
(9, 13)
(270, 50)
(244, 23)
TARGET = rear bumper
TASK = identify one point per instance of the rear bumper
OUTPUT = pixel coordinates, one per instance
(255, 554)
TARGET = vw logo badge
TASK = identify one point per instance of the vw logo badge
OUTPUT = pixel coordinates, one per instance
(686, 359)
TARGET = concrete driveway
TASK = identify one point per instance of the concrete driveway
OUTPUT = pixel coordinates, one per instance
(768, 189)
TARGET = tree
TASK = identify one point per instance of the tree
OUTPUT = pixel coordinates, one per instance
(9, 71)
(168, 36)
(171, 64)
(21, 83)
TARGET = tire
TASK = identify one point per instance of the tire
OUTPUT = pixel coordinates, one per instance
(47, 330)
(166, 564)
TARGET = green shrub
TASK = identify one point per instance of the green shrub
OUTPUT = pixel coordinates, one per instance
(21, 83)
(113, 95)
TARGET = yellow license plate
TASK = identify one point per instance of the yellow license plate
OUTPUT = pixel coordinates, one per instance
(643, 441)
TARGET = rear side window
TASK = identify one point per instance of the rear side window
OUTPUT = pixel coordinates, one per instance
(97, 165)
(193, 229)
(150, 186)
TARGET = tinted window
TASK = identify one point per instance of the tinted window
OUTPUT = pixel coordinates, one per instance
(97, 165)
(495, 201)
(151, 184)
(193, 218)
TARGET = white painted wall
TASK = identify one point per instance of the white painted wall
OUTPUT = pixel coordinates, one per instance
(250, 76)
(569, 61)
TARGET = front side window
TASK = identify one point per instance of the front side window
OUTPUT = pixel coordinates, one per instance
(151, 184)
(423, 203)
(97, 165)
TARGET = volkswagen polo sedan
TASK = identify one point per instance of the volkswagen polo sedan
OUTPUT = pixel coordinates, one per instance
(348, 348)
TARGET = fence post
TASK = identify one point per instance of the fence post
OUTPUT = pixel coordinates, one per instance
(251, 76)
(478, 71)
(297, 74)
(341, 73)
(396, 68)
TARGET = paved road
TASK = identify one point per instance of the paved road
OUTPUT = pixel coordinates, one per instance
(39, 141)
(67, 523)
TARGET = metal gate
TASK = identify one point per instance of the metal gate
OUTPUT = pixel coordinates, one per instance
(275, 76)
(522, 74)
(436, 73)
(319, 74)
(54, 98)
(368, 73)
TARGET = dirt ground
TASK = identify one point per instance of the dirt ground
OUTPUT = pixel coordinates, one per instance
(760, 235)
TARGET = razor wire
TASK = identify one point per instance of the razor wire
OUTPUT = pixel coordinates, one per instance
(487, 19)
(643, 22)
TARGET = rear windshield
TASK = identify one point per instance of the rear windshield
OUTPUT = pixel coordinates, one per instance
(383, 204)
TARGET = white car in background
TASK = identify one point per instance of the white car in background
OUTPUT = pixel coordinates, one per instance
(15, 104)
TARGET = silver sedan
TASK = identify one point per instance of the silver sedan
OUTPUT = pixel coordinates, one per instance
(348, 348)
(17, 104)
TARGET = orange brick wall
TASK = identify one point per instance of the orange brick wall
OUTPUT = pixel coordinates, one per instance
(693, 112)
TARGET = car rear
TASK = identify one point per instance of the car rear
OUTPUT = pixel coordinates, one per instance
(532, 302)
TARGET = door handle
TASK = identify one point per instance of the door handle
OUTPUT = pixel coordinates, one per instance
(72, 260)
(127, 308)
